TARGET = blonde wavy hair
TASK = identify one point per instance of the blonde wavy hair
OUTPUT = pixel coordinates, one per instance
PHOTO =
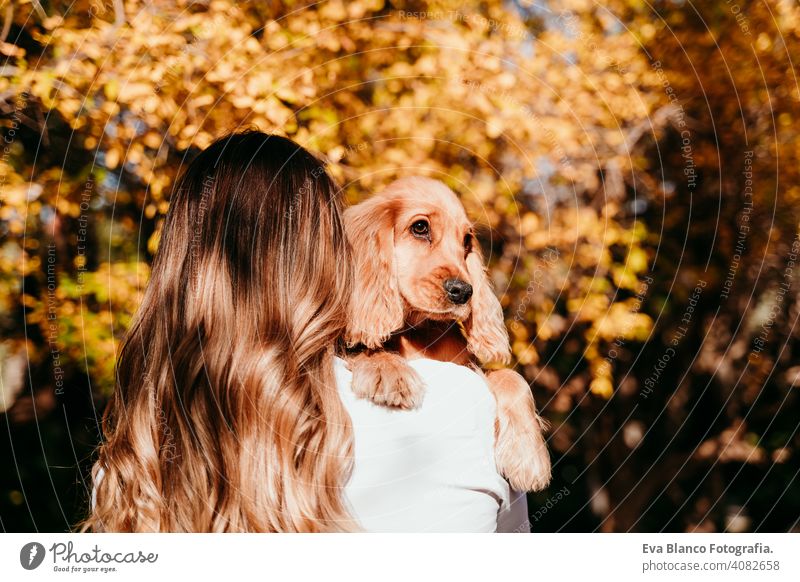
(226, 415)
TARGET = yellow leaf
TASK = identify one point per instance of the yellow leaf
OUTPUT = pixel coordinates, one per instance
(111, 89)
(602, 387)
(112, 158)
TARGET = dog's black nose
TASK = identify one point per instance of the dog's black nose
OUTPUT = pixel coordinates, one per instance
(458, 291)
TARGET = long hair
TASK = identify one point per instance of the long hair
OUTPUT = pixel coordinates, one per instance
(226, 415)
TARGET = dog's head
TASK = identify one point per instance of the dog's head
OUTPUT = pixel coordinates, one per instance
(416, 259)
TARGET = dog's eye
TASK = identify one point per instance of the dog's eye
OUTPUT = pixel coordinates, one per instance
(421, 229)
(468, 243)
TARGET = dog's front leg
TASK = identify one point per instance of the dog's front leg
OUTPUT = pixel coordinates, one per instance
(520, 449)
(385, 378)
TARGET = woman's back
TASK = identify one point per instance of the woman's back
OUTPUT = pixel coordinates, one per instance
(430, 469)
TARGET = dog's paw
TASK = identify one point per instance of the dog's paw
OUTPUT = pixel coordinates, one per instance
(521, 454)
(520, 449)
(387, 379)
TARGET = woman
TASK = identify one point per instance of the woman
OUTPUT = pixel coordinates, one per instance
(228, 415)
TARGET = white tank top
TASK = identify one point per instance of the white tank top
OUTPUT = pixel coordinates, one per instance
(431, 469)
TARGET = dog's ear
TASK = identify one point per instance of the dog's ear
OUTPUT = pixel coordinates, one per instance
(376, 307)
(487, 336)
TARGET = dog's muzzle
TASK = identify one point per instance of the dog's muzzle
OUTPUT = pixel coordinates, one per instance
(458, 291)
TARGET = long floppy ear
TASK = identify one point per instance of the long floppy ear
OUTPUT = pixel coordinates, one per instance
(487, 336)
(376, 307)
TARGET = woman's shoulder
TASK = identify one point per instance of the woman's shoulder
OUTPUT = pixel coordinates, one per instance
(447, 377)
(460, 385)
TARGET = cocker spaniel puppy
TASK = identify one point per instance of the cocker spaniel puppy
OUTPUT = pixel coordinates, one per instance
(421, 290)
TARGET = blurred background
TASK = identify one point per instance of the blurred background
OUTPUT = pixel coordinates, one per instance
(633, 166)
